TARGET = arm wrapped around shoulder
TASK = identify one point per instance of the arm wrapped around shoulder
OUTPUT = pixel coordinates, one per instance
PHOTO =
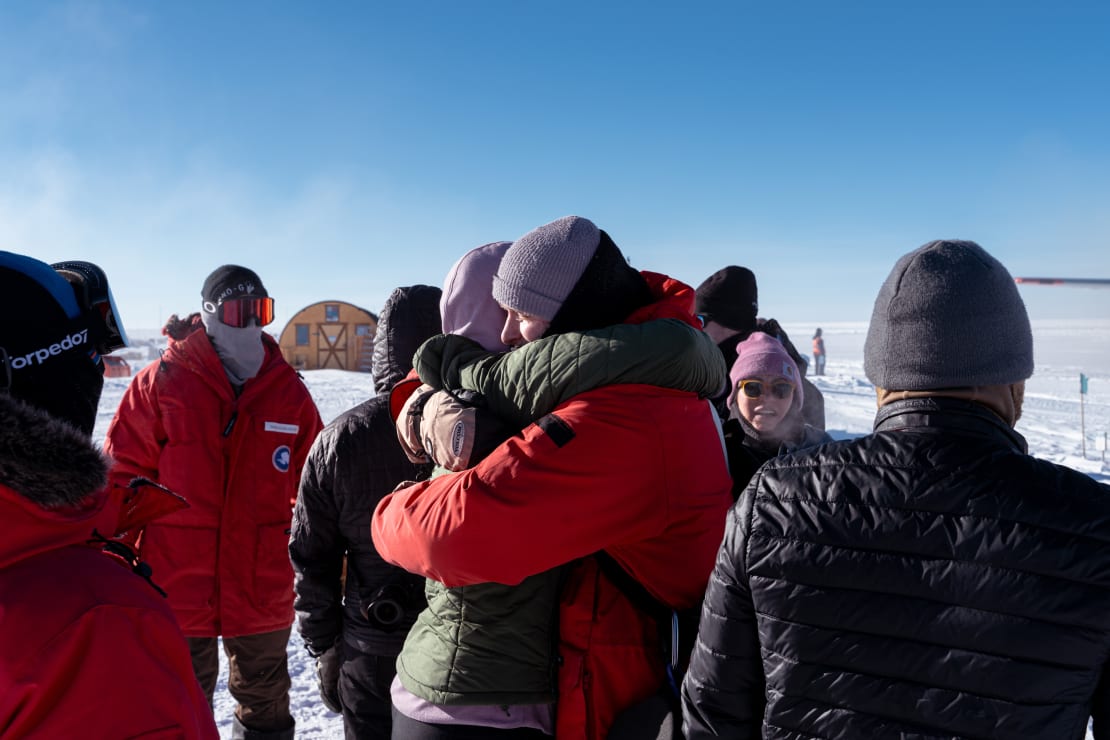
(453, 430)
(439, 361)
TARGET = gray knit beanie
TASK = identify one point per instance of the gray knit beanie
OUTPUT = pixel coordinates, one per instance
(948, 316)
(538, 272)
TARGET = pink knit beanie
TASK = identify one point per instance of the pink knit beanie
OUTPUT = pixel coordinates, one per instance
(761, 355)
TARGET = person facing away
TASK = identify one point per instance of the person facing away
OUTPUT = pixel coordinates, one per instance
(353, 608)
(728, 306)
(225, 421)
(765, 408)
(481, 658)
(88, 646)
(818, 353)
(632, 469)
(931, 579)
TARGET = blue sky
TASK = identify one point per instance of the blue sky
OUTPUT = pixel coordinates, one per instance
(343, 149)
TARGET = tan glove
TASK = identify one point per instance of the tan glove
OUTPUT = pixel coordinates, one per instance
(437, 426)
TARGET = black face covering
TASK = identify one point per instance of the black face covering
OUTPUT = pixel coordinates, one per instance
(609, 290)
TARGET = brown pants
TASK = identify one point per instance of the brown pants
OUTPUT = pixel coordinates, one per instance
(258, 676)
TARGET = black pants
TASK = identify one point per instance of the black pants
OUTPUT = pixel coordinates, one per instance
(364, 682)
(407, 728)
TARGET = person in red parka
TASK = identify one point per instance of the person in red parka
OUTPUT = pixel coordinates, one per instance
(226, 422)
(88, 646)
(632, 470)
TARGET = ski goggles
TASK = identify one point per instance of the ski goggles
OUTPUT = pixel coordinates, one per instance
(239, 312)
(755, 388)
(98, 306)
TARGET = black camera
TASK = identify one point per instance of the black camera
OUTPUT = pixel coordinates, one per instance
(385, 610)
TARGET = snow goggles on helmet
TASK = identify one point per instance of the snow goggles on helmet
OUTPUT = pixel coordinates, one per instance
(754, 388)
(238, 312)
(98, 306)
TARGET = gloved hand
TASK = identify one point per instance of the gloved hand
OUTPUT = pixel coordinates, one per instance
(453, 430)
(327, 676)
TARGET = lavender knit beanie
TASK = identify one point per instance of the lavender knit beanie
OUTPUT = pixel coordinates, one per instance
(467, 305)
(541, 268)
(948, 316)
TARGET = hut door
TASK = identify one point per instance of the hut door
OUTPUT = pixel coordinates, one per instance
(333, 341)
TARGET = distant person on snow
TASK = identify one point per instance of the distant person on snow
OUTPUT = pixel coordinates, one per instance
(931, 579)
(225, 421)
(88, 646)
(818, 353)
(355, 625)
(728, 305)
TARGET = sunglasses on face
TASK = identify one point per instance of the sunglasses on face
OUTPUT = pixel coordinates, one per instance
(754, 388)
(238, 312)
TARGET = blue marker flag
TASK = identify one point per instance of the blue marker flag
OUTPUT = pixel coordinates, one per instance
(1082, 384)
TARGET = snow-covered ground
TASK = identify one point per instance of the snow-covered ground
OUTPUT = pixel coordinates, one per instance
(1050, 423)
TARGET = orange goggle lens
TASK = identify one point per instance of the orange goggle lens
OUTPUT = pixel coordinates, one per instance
(238, 312)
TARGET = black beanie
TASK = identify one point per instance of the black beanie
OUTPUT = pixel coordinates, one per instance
(50, 351)
(608, 291)
(231, 281)
(730, 298)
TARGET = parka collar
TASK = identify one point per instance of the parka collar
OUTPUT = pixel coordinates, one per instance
(950, 413)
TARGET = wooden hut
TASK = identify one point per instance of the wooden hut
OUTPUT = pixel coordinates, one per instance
(116, 367)
(330, 335)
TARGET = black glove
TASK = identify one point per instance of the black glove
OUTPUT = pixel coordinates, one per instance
(327, 676)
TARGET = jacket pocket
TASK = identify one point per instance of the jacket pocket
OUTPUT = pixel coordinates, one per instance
(183, 563)
(273, 573)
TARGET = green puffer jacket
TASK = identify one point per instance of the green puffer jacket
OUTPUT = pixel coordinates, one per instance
(528, 382)
(495, 644)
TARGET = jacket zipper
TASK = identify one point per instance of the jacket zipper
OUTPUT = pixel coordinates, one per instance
(223, 505)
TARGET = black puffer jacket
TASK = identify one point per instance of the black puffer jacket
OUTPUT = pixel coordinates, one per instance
(355, 461)
(930, 580)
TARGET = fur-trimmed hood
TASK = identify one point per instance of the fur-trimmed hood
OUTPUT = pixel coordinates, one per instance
(47, 461)
(52, 483)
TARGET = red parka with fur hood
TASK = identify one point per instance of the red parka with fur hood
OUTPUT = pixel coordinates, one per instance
(635, 470)
(237, 460)
(87, 648)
